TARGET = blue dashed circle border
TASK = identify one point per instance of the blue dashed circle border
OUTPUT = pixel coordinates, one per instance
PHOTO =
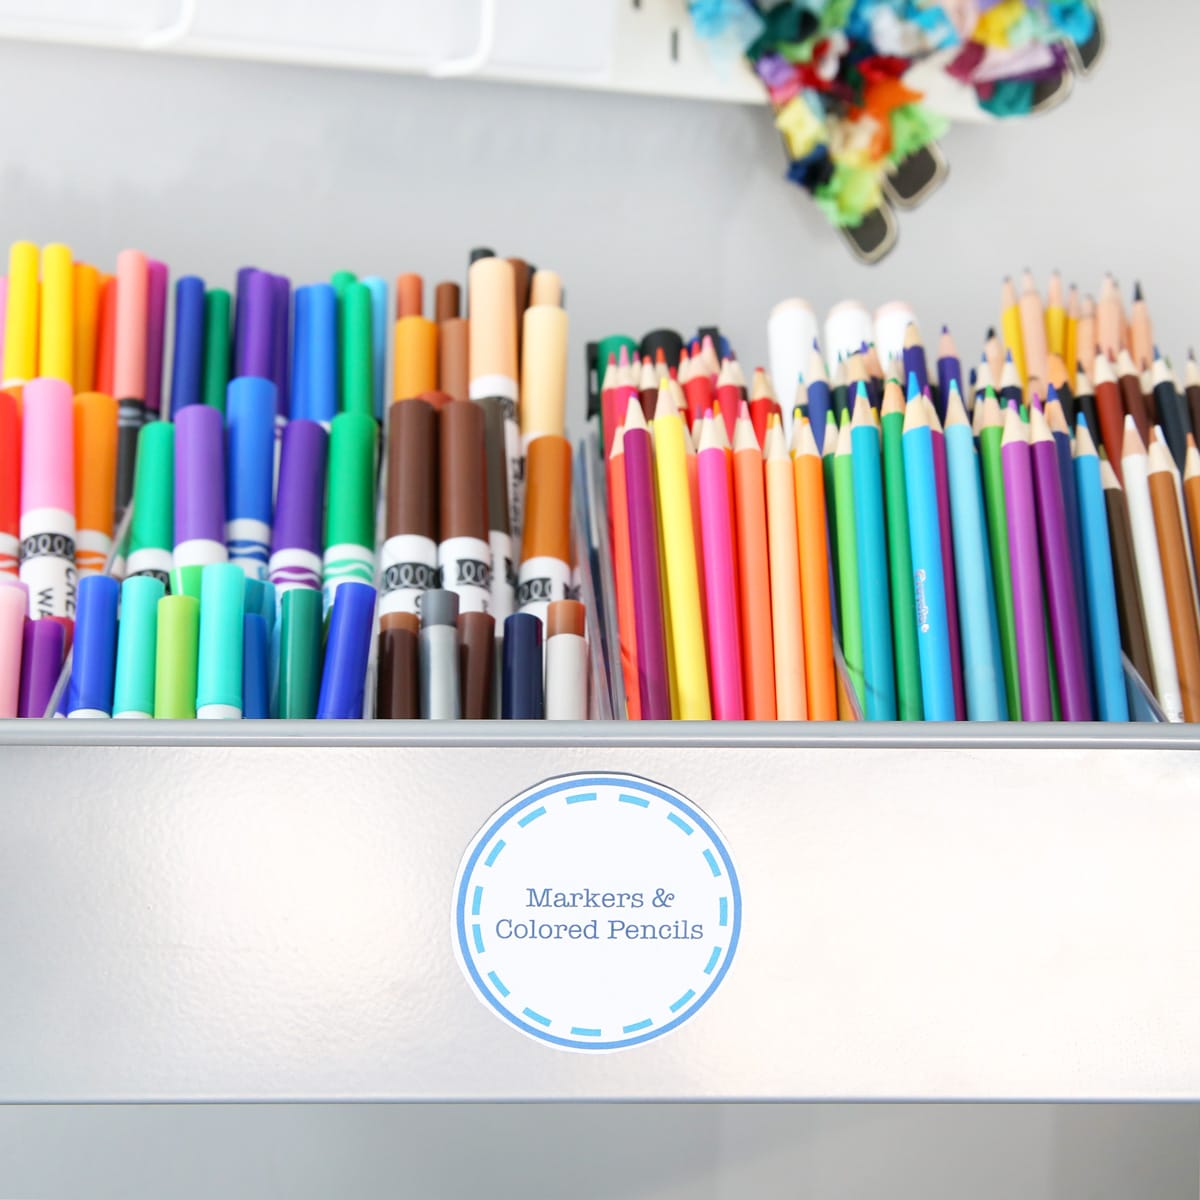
(584, 1039)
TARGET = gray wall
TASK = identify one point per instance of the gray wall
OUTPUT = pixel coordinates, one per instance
(655, 211)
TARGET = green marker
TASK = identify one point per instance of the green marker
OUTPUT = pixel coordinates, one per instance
(222, 623)
(152, 527)
(340, 281)
(611, 347)
(355, 313)
(992, 469)
(848, 593)
(185, 581)
(175, 658)
(137, 638)
(300, 655)
(216, 347)
(904, 624)
(350, 502)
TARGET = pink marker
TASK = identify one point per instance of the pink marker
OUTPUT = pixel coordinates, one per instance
(13, 603)
(129, 365)
(720, 584)
(48, 498)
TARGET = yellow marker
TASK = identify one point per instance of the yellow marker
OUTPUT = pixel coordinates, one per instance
(679, 549)
(1010, 329)
(87, 318)
(57, 328)
(21, 316)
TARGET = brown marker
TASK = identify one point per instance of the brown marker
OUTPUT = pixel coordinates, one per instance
(410, 296)
(504, 576)
(453, 357)
(545, 573)
(439, 400)
(447, 301)
(409, 558)
(464, 556)
(398, 692)
(522, 278)
(476, 653)
(415, 342)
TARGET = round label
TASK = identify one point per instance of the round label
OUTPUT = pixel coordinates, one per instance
(596, 911)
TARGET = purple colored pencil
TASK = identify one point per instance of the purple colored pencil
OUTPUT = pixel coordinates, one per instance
(941, 476)
(949, 370)
(42, 647)
(1032, 662)
(915, 364)
(157, 276)
(653, 684)
(1074, 690)
(299, 504)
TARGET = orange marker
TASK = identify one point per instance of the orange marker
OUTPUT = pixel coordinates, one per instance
(95, 480)
(754, 575)
(87, 325)
(415, 342)
(623, 575)
(106, 334)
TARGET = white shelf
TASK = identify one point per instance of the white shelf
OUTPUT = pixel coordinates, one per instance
(929, 913)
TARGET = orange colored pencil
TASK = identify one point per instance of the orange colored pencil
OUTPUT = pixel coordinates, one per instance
(820, 678)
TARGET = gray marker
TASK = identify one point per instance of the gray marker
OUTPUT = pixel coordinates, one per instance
(439, 656)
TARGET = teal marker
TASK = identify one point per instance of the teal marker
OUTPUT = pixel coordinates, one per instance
(379, 341)
(222, 622)
(152, 527)
(300, 655)
(356, 320)
(137, 647)
(350, 502)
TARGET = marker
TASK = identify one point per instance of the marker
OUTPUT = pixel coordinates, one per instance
(464, 556)
(791, 330)
(21, 314)
(95, 480)
(256, 662)
(48, 498)
(296, 537)
(504, 571)
(87, 313)
(254, 325)
(10, 486)
(566, 662)
(281, 345)
(493, 360)
(222, 627)
(300, 653)
(543, 372)
(545, 574)
(156, 323)
(521, 694)
(187, 365)
(137, 639)
(106, 333)
(408, 558)
(216, 347)
(347, 649)
(357, 362)
(42, 650)
(454, 376)
(129, 365)
(415, 342)
(175, 658)
(56, 332)
(250, 441)
(439, 656)
(398, 690)
(199, 487)
(379, 320)
(350, 510)
(13, 603)
(152, 535)
(477, 658)
(90, 691)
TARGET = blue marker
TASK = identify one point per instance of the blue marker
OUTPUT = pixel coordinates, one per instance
(187, 365)
(250, 455)
(256, 668)
(347, 649)
(94, 657)
(521, 690)
(315, 354)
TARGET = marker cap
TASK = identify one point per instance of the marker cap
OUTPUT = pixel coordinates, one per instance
(281, 287)
(137, 640)
(544, 371)
(175, 657)
(340, 281)
(13, 603)
(300, 653)
(56, 327)
(610, 347)
(545, 289)
(187, 581)
(439, 606)
(462, 471)
(410, 299)
(256, 658)
(241, 286)
(222, 612)
(255, 349)
(129, 350)
(566, 616)
(521, 692)
(494, 444)
(548, 500)
(260, 598)
(187, 366)
(347, 649)
(477, 656)
(453, 357)
(10, 464)
(398, 693)
(95, 654)
(358, 366)
(47, 446)
(493, 326)
(350, 515)
(95, 461)
(416, 357)
(447, 301)
(43, 648)
(412, 469)
(666, 340)
(250, 433)
(216, 347)
(301, 492)
(157, 277)
(21, 313)
(315, 355)
(199, 475)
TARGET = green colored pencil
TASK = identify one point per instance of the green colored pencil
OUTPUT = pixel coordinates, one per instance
(847, 538)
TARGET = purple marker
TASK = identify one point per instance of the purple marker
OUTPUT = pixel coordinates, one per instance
(239, 309)
(255, 350)
(199, 487)
(299, 503)
(42, 648)
(280, 341)
(156, 326)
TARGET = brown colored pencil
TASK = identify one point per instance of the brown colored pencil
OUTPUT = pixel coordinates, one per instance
(1109, 411)
(1133, 399)
(1130, 614)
